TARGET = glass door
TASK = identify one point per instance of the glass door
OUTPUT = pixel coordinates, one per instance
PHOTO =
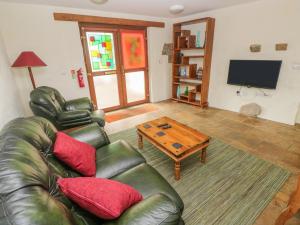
(116, 61)
(103, 67)
(135, 66)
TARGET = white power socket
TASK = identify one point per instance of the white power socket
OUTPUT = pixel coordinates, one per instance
(259, 93)
(296, 66)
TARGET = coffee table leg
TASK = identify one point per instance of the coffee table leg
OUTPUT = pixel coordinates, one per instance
(203, 155)
(140, 141)
(177, 170)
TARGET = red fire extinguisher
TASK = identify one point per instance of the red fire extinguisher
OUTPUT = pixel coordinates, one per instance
(80, 78)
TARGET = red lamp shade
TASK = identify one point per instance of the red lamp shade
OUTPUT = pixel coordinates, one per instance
(28, 59)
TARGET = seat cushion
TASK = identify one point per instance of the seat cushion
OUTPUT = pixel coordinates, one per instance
(79, 104)
(98, 116)
(143, 174)
(116, 158)
(73, 115)
(155, 210)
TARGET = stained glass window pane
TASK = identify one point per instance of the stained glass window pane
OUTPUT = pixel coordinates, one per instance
(101, 51)
(133, 49)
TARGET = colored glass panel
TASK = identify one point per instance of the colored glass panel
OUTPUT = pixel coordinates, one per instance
(133, 49)
(101, 51)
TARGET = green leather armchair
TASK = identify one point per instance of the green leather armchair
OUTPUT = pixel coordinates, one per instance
(29, 194)
(47, 102)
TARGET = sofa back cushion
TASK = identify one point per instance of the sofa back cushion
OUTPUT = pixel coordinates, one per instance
(37, 131)
(48, 98)
(21, 165)
(40, 133)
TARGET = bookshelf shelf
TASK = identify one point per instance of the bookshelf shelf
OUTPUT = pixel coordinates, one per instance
(187, 83)
(189, 68)
(187, 78)
(184, 96)
(194, 56)
(194, 48)
(196, 103)
(182, 64)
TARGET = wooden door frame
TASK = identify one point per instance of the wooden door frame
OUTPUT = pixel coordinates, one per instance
(85, 27)
(83, 30)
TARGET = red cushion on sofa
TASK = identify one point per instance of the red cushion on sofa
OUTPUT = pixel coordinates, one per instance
(107, 199)
(80, 156)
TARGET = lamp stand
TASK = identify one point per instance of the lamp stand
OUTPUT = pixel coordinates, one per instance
(31, 77)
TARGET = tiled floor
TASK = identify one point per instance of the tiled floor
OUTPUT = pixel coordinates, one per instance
(275, 142)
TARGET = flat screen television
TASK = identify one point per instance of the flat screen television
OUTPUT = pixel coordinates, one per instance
(254, 73)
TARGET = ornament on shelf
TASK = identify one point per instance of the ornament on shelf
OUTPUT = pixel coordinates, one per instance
(198, 39)
(199, 73)
(255, 48)
(183, 71)
(186, 91)
(178, 58)
(178, 91)
(281, 46)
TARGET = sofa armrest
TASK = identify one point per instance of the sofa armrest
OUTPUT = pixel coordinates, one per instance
(73, 115)
(155, 210)
(92, 134)
(79, 104)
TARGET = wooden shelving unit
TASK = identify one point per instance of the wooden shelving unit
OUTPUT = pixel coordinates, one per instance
(184, 72)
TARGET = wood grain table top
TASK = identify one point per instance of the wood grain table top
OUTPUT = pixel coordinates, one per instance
(177, 140)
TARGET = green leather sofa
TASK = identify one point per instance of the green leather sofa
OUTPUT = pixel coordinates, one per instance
(29, 194)
(47, 102)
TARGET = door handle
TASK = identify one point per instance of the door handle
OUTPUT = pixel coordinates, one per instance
(123, 70)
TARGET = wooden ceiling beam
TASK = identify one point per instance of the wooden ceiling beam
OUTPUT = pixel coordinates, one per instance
(106, 20)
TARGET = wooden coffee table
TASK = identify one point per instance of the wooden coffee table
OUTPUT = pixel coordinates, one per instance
(177, 142)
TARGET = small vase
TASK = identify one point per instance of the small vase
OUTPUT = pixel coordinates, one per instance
(186, 92)
(198, 39)
(178, 92)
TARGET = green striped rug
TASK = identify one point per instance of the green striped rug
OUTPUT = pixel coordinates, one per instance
(232, 188)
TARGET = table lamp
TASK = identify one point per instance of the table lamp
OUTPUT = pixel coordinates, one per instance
(29, 59)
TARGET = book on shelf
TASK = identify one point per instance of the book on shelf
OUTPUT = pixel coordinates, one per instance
(178, 58)
(183, 71)
(199, 73)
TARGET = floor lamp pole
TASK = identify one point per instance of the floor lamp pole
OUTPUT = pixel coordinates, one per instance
(31, 77)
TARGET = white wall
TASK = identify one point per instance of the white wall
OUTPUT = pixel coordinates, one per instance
(264, 22)
(10, 107)
(160, 69)
(32, 27)
(298, 116)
